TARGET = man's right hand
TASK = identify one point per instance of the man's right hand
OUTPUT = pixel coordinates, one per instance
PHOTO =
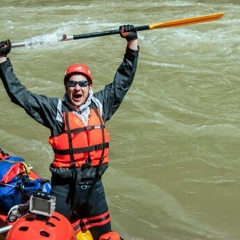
(5, 48)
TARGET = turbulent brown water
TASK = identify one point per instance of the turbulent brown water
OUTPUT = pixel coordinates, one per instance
(175, 169)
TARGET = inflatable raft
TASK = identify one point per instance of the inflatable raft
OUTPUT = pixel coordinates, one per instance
(26, 207)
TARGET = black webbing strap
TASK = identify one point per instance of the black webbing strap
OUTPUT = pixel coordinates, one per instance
(81, 150)
(73, 164)
(83, 129)
(103, 139)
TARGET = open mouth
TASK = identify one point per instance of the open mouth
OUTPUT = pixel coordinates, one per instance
(77, 97)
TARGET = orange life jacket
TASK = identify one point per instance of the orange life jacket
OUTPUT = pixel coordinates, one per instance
(79, 144)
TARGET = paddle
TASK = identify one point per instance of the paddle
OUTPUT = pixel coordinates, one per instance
(174, 23)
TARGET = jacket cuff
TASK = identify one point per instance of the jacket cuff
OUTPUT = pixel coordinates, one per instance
(131, 54)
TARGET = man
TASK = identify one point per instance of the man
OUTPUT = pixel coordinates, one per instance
(78, 136)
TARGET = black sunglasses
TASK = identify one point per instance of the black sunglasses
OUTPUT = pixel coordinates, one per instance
(80, 83)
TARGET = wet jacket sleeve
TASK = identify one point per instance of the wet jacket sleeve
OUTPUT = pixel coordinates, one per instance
(112, 96)
(39, 107)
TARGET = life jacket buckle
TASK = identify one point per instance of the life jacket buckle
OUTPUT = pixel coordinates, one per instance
(73, 165)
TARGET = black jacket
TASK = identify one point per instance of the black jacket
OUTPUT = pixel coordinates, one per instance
(46, 111)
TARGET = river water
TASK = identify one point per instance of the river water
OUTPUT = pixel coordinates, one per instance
(175, 169)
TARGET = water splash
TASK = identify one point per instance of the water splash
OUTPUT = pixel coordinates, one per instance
(37, 41)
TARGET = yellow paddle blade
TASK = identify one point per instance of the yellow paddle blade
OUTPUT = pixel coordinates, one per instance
(188, 21)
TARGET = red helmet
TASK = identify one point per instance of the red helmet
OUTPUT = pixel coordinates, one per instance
(31, 226)
(78, 68)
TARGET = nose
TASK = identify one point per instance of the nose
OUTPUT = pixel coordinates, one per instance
(77, 86)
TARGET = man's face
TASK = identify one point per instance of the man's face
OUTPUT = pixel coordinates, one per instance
(78, 94)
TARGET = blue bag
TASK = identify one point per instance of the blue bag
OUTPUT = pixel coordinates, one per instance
(17, 183)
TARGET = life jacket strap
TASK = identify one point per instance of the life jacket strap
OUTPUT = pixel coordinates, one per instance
(84, 129)
(81, 150)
